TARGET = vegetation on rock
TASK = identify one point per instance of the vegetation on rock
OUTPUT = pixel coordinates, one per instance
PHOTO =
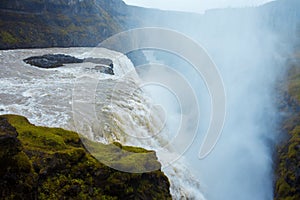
(52, 163)
(63, 23)
(288, 164)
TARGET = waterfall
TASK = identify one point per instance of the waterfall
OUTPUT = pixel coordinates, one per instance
(102, 107)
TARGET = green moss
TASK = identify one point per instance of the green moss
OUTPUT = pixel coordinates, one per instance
(64, 26)
(22, 162)
(50, 140)
(37, 137)
(294, 81)
(131, 159)
(54, 164)
(288, 178)
(294, 88)
(8, 38)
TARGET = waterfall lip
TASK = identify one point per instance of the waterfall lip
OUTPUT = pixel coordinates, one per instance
(119, 124)
(173, 170)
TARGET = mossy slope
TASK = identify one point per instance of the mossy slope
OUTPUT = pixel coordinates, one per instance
(61, 23)
(288, 166)
(52, 163)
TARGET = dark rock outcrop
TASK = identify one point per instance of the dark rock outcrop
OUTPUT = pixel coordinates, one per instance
(52, 60)
(8, 139)
(16, 173)
(51, 163)
(57, 60)
(103, 69)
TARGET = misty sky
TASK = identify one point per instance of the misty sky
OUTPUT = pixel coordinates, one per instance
(194, 5)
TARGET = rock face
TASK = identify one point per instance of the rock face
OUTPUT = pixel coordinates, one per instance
(16, 172)
(61, 23)
(51, 163)
(51, 60)
(288, 161)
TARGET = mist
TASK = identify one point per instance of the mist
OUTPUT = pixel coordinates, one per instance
(194, 6)
(249, 47)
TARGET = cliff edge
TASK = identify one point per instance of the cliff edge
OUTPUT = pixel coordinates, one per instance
(52, 163)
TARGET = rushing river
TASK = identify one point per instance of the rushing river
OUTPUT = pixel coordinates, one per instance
(65, 97)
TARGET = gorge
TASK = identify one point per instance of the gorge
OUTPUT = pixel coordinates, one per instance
(255, 49)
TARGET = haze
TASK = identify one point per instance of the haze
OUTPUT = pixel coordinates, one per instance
(194, 5)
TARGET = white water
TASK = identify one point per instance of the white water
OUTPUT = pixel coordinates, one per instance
(46, 97)
(249, 48)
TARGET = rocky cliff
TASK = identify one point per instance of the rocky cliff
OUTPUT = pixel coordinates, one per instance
(62, 23)
(287, 185)
(51, 163)
(65, 23)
